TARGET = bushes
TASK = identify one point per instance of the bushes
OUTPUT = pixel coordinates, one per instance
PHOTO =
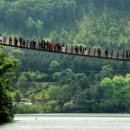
(5, 115)
(27, 109)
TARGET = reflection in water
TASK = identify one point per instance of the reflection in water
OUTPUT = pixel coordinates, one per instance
(69, 122)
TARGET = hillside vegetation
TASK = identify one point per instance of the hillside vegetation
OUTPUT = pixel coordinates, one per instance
(57, 83)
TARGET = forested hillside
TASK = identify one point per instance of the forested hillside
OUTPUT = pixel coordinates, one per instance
(84, 21)
(57, 83)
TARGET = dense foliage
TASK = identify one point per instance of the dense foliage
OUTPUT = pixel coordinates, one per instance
(89, 22)
(72, 84)
(7, 69)
(60, 83)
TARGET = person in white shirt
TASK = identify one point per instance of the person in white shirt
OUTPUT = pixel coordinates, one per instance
(86, 51)
(1, 39)
(63, 47)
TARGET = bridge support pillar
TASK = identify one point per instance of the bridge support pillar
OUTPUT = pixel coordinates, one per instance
(94, 52)
(123, 55)
(71, 49)
(117, 55)
(111, 54)
(129, 55)
(83, 51)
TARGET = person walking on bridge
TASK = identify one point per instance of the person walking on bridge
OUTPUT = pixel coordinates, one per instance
(10, 40)
(1, 39)
(15, 41)
(99, 52)
(4, 39)
(106, 53)
(21, 41)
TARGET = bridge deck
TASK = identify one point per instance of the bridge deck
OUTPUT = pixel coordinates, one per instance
(69, 52)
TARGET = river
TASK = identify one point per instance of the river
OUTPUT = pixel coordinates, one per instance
(69, 122)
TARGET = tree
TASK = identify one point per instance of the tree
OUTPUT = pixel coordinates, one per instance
(43, 95)
(17, 54)
(31, 25)
(22, 83)
(54, 92)
(17, 97)
(61, 36)
(32, 98)
(119, 82)
(56, 76)
(28, 79)
(107, 88)
(54, 65)
(107, 71)
(68, 107)
(39, 27)
(7, 66)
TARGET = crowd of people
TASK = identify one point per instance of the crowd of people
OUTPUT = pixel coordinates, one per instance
(55, 46)
(43, 45)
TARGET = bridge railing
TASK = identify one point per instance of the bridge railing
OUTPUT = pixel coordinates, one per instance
(93, 52)
(70, 49)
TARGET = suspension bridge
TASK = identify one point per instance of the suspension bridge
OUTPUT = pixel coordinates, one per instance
(70, 50)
